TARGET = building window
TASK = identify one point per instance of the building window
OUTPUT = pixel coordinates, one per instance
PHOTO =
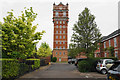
(63, 32)
(56, 37)
(104, 44)
(115, 42)
(63, 22)
(109, 43)
(56, 32)
(63, 53)
(64, 14)
(63, 47)
(56, 53)
(105, 54)
(60, 32)
(56, 14)
(63, 37)
(60, 47)
(63, 26)
(63, 42)
(95, 55)
(60, 37)
(56, 22)
(60, 42)
(56, 42)
(56, 47)
(60, 26)
(116, 54)
(60, 53)
(60, 22)
(57, 26)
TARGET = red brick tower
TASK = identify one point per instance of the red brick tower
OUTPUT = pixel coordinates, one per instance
(60, 20)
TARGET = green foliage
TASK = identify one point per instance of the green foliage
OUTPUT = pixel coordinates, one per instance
(54, 59)
(18, 34)
(10, 68)
(36, 63)
(44, 50)
(86, 35)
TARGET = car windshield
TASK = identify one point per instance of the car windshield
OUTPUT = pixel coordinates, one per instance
(114, 67)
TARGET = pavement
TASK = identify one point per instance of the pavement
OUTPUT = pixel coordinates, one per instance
(61, 70)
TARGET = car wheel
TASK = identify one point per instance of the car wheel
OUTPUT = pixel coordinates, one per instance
(104, 71)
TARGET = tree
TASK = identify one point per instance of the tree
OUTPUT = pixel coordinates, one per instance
(85, 32)
(18, 34)
(44, 50)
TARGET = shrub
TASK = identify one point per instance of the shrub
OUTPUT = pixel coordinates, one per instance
(54, 59)
(33, 63)
(10, 68)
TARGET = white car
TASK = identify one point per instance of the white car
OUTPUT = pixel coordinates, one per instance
(103, 65)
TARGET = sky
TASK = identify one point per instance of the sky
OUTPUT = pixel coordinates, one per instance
(105, 11)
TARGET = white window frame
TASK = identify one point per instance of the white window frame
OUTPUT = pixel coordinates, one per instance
(56, 32)
(63, 26)
(56, 42)
(57, 26)
(56, 22)
(105, 55)
(115, 42)
(56, 53)
(104, 44)
(60, 32)
(56, 47)
(109, 43)
(63, 32)
(63, 42)
(60, 42)
(60, 53)
(64, 14)
(63, 22)
(60, 47)
(63, 47)
(60, 22)
(116, 54)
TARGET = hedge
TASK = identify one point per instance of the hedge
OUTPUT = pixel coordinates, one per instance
(90, 64)
(12, 68)
(54, 59)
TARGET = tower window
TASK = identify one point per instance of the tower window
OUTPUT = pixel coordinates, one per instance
(60, 22)
(60, 26)
(60, 47)
(56, 42)
(57, 26)
(63, 53)
(60, 32)
(64, 14)
(56, 47)
(63, 32)
(60, 37)
(63, 42)
(63, 37)
(56, 14)
(56, 37)
(60, 42)
(63, 26)
(56, 22)
(56, 32)
(60, 53)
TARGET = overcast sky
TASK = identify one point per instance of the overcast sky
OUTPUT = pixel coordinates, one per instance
(105, 11)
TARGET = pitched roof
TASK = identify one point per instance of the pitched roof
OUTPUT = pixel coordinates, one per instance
(113, 34)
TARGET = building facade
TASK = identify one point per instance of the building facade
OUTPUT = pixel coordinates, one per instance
(112, 40)
(60, 21)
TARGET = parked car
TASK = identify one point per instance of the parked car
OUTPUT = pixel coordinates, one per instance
(71, 61)
(103, 65)
(78, 60)
(114, 71)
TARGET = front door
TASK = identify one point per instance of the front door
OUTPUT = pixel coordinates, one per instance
(59, 59)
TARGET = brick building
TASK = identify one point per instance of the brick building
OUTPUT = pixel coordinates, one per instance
(60, 21)
(113, 40)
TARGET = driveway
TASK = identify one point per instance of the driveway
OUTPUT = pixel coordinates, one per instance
(62, 70)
